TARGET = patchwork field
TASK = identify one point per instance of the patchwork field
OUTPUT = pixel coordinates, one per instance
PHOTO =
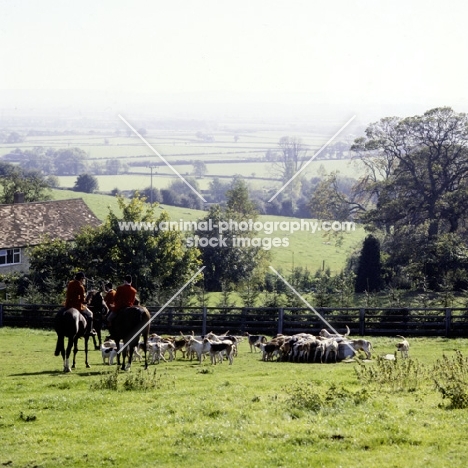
(250, 414)
(232, 151)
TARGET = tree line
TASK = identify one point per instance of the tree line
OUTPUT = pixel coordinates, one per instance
(411, 198)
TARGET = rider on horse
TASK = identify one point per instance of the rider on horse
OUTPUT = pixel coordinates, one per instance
(109, 298)
(76, 298)
(125, 296)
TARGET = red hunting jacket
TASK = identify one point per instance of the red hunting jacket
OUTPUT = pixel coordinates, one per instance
(76, 295)
(124, 297)
(109, 299)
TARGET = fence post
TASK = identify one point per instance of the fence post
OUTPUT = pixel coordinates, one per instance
(280, 320)
(1, 315)
(362, 322)
(243, 320)
(448, 321)
(204, 321)
(170, 319)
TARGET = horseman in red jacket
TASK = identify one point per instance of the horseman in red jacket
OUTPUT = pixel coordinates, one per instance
(125, 296)
(76, 299)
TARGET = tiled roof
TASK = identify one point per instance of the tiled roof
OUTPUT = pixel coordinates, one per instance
(24, 224)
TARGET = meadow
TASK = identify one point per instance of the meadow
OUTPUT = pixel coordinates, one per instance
(250, 414)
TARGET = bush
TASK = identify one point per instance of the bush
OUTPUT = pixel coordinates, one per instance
(305, 397)
(394, 376)
(141, 380)
(451, 379)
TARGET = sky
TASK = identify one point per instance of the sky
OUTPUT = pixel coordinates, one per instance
(392, 56)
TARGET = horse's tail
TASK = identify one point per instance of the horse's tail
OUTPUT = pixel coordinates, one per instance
(60, 348)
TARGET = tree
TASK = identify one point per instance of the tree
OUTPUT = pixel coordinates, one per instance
(199, 169)
(51, 264)
(232, 258)
(424, 164)
(113, 166)
(158, 260)
(70, 161)
(32, 184)
(329, 200)
(238, 199)
(152, 194)
(369, 271)
(218, 190)
(40, 159)
(86, 183)
(289, 161)
(415, 190)
(15, 137)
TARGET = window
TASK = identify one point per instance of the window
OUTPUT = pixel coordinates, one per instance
(10, 256)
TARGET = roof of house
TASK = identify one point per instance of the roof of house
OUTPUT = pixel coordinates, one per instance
(25, 224)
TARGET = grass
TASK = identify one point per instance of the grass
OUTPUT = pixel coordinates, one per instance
(252, 413)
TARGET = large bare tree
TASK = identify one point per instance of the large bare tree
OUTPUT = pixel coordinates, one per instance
(289, 160)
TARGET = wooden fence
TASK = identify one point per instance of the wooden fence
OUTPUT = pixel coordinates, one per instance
(449, 322)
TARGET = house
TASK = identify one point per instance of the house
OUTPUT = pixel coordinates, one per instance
(24, 225)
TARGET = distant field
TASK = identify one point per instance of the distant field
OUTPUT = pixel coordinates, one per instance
(257, 172)
(234, 143)
(305, 249)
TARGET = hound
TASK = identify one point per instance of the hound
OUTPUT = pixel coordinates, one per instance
(108, 352)
(361, 345)
(254, 340)
(326, 334)
(403, 347)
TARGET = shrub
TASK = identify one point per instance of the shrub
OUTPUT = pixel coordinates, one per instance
(141, 380)
(451, 379)
(398, 375)
(305, 397)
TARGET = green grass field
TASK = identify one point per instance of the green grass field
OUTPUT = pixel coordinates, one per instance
(250, 414)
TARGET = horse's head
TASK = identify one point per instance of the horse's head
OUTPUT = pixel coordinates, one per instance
(95, 301)
(90, 295)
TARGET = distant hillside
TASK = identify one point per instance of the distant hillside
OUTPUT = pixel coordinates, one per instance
(305, 249)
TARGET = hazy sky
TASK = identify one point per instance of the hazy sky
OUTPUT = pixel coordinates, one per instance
(342, 52)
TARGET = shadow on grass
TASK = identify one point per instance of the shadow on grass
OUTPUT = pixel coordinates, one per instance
(81, 373)
(45, 372)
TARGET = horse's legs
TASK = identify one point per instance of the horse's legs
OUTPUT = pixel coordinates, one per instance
(94, 342)
(117, 341)
(145, 343)
(75, 350)
(66, 356)
(131, 347)
(124, 353)
(86, 338)
(98, 328)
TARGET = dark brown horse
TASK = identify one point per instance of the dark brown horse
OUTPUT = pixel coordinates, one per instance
(71, 324)
(100, 310)
(128, 325)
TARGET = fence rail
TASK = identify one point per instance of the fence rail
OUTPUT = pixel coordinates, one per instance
(449, 322)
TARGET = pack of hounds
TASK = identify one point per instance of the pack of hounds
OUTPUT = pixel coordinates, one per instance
(302, 347)
(325, 348)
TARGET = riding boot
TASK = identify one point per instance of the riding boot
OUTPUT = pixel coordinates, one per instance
(92, 331)
(89, 318)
